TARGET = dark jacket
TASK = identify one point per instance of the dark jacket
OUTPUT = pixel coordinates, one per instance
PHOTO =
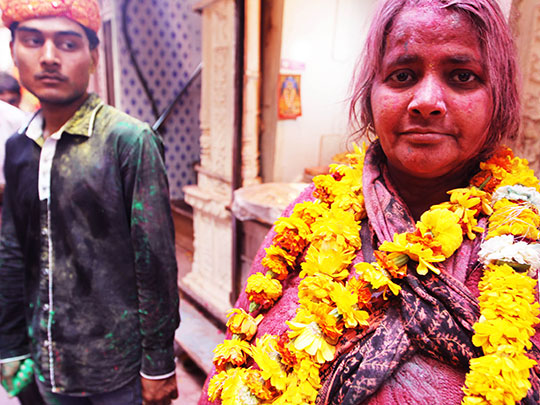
(88, 276)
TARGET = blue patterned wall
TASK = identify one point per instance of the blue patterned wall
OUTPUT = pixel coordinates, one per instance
(166, 39)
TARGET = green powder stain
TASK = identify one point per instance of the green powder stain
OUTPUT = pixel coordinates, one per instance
(125, 314)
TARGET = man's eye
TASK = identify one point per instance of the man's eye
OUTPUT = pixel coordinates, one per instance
(67, 45)
(32, 41)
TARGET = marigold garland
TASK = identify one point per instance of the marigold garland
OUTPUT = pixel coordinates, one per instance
(325, 233)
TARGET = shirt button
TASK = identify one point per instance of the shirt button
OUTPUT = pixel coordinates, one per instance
(45, 307)
(46, 343)
(46, 271)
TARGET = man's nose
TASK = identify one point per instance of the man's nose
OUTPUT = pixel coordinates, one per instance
(49, 54)
(428, 99)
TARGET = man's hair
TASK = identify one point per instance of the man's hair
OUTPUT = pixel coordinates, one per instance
(498, 52)
(91, 35)
(9, 83)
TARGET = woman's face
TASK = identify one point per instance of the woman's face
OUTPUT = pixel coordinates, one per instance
(431, 103)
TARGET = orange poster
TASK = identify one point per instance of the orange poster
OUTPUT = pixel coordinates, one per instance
(289, 102)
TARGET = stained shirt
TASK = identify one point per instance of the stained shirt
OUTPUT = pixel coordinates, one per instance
(88, 275)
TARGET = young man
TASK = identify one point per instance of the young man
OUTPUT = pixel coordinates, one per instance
(87, 260)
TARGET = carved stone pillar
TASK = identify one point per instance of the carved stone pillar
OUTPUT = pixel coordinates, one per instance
(527, 25)
(210, 278)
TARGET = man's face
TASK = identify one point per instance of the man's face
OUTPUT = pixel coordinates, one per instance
(11, 97)
(54, 59)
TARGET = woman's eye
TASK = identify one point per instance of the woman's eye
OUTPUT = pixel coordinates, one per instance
(464, 77)
(401, 77)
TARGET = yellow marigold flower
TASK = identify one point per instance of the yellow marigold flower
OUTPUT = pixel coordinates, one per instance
(329, 261)
(267, 357)
(356, 158)
(278, 261)
(327, 188)
(445, 228)
(351, 202)
(236, 391)
(467, 203)
(298, 392)
(338, 226)
(419, 249)
(263, 290)
(508, 315)
(258, 386)
(347, 306)
(498, 380)
(315, 288)
(514, 218)
(309, 211)
(242, 323)
(231, 351)
(291, 234)
(520, 174)
(215, 386)
(509, 310)
(309, 337)
(325, 317)
(377, 277)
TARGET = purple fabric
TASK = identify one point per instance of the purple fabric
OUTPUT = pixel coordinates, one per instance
(418, 350)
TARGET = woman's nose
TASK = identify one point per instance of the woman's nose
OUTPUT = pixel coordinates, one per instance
(428, 98)
(48, 53)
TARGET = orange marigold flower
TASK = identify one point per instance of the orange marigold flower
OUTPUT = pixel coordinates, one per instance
(309, 211)
(323, 316)
(242, 323)
(278, 261)
(262, 290)
(362, 290)
(283, 347)
(231, 351)
(390, 263)
(259, 386)
(291, 234)
(486, 181)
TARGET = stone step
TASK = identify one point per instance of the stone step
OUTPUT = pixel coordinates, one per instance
(197, 336)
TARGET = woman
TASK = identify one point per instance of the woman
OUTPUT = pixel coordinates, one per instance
(408, 276)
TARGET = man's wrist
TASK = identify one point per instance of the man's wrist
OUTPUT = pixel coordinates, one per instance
(158, 377)
(16, 358)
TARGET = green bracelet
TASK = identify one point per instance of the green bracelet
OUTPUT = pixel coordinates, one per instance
(22, 378)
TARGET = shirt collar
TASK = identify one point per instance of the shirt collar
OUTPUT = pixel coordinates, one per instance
(81, 123)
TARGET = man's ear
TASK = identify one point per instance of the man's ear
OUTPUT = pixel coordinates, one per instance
(94, 55)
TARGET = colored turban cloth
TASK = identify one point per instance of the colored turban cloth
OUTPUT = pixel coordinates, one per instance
(85, 12)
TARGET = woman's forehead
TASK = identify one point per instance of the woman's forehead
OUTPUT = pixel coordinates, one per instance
(427, 25)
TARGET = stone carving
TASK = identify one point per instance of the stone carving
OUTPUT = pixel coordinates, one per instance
(210, 277)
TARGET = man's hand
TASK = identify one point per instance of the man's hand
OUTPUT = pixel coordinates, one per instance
(7, 373)
(159, 392)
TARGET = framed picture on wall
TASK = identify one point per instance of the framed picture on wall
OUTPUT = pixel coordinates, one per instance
(289, 100)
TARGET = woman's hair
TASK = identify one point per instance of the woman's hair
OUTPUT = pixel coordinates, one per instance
(498, 52)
